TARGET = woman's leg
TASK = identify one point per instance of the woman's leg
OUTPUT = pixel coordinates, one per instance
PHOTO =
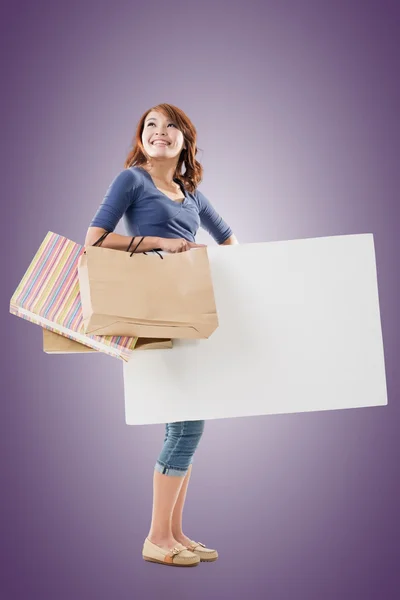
(171, 473)
(165, 492)
(177, 530)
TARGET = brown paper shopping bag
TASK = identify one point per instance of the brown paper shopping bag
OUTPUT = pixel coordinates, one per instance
(147, 295)
(54, 343)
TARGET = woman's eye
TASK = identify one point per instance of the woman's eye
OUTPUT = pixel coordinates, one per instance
(151, 123)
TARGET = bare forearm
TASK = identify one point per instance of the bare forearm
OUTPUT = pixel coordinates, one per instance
(121, 242)
(231, 241)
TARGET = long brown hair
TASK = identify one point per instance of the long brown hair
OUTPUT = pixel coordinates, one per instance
(194, 171)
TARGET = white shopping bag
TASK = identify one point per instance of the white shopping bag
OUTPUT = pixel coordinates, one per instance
(299, 330)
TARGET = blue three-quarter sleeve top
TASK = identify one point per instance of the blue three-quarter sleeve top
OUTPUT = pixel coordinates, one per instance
(146, 211)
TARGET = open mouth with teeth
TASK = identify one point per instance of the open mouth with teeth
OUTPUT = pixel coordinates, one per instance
(160, 143)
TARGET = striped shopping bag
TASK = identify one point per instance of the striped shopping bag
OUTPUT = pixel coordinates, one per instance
(48, 295)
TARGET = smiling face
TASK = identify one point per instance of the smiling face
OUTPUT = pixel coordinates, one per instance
(161, 137)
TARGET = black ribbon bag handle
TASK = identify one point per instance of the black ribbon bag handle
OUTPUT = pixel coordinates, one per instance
(106, 233)
(137, 246)
(100, 240)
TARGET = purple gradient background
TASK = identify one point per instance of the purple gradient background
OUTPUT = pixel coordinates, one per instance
(296, 106)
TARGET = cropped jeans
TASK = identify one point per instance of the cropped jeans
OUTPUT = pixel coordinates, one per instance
(180, 443)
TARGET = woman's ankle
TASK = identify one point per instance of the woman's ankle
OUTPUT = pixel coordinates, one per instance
(177, 534)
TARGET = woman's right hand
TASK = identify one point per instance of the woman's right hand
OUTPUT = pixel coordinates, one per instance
(177, 245)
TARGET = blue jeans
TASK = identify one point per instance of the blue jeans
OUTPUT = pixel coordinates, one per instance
(180, 443)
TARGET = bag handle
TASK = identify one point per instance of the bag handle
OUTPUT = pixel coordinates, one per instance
(105, 234)
(101, 238)
(137, 246)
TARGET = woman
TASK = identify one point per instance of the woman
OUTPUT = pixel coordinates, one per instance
(160, 203)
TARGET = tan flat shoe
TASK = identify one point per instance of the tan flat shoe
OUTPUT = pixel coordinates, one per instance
(179, 556)
(205, 554)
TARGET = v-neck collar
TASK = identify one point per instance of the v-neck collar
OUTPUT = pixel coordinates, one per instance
(181, 201)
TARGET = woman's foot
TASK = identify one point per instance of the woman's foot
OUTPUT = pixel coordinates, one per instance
(165, 543)
(205, 554)
(177, 556)
(182, 539)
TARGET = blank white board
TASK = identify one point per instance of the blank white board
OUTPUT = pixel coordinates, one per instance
(299, 330)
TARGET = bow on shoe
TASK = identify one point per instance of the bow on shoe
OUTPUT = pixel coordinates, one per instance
(194, 545)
